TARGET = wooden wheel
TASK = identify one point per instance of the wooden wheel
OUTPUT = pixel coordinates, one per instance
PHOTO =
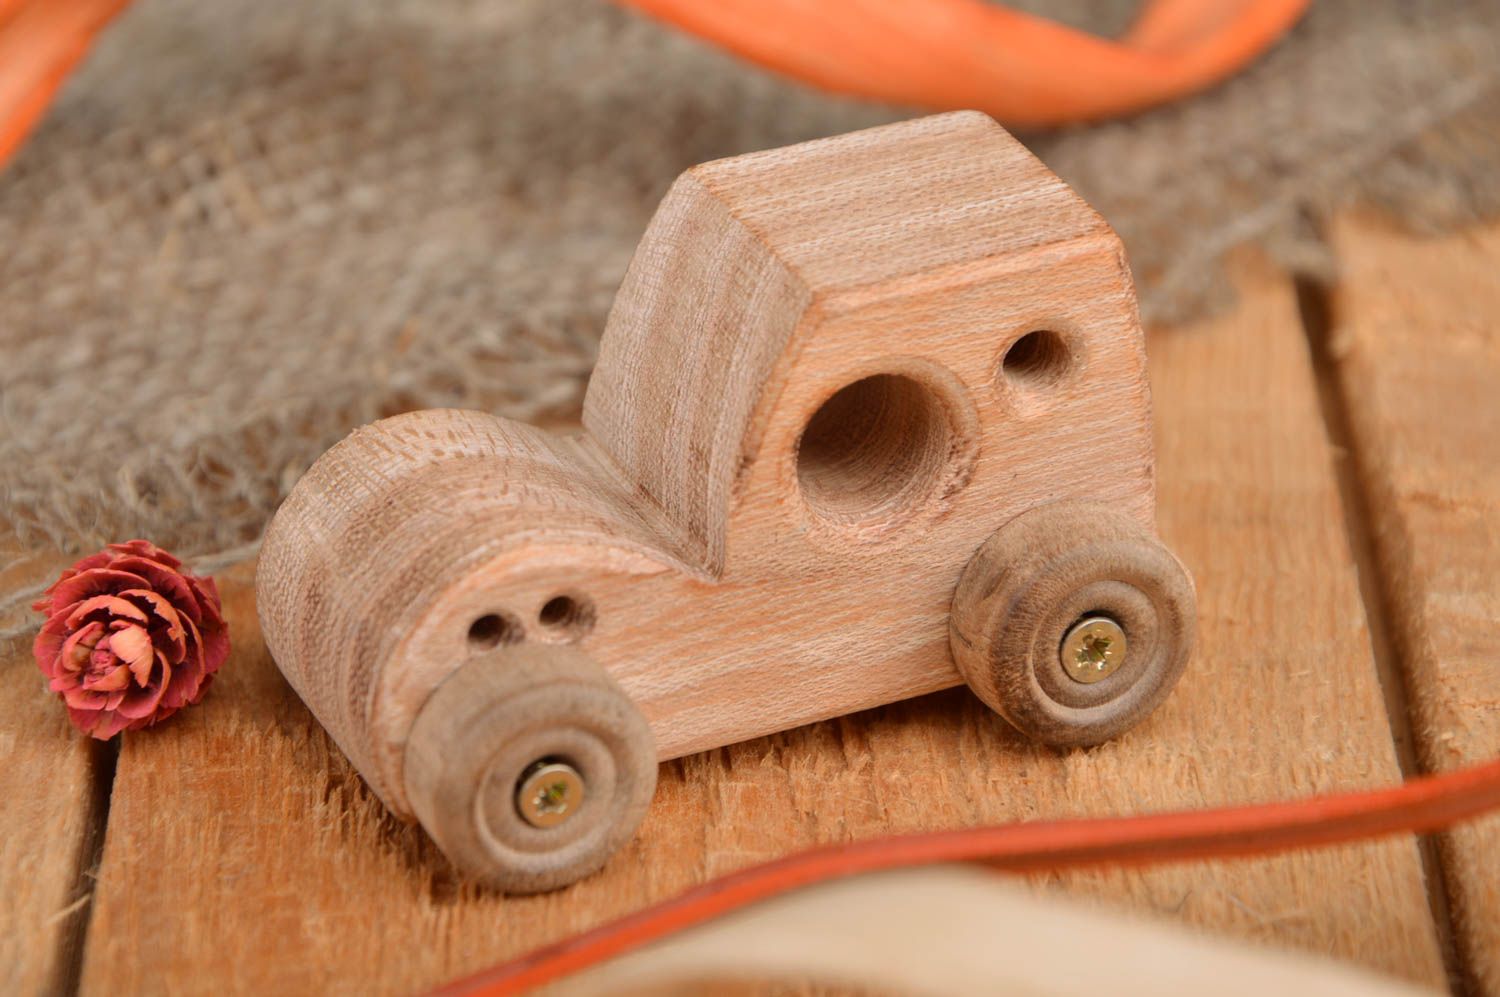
(1073, 622)
(530, 767)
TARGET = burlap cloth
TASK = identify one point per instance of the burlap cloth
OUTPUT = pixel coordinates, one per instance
(250, 225)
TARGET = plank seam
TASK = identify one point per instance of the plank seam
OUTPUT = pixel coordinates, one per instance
(104, 759)
(1315, 306)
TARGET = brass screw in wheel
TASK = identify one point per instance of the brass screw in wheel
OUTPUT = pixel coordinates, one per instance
(1093, 649)
(549, 793)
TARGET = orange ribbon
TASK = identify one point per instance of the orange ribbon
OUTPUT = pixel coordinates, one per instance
(1423, 804)
(943, 54)
(1021, 69)
(40, 42)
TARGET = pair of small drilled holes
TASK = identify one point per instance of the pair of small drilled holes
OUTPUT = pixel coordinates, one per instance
(880, 444)
(564, 615)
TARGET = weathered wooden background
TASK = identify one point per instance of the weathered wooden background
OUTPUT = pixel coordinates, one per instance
(1329, 469)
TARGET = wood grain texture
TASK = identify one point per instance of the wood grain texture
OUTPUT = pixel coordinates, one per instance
(1417, 340)
(240, 833)
(831, 372)
(52, 786)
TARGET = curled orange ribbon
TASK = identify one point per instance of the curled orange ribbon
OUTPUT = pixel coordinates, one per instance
(1022, 70)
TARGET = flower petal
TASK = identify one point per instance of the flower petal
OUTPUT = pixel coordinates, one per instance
(132, 645)
(214, 645)
(111, 680)
(180, 681)
(46, 604)
(146, 549)
(142, 702)
(108, 725)
(187, 677)
(111, 605)
(207, 591)
(167, 581)
(84, 719)
(102, 656)
(154, 603)
(78, 648)
(161, 714)
(169, 631)
(86, 699)
(214, 637)
(63, 682)
(98, 581)
(197, 697)
(49, 642)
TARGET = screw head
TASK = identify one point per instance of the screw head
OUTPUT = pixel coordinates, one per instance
(548, 793)
(1093, 649)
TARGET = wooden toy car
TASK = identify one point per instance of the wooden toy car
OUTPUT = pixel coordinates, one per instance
(870, 419)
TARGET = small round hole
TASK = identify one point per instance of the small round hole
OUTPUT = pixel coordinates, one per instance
(494, 629)
(875, 448)
(1037, 359)
(567, 614)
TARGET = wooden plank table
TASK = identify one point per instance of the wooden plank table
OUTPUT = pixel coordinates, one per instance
(1327, 461)
(1417, 351)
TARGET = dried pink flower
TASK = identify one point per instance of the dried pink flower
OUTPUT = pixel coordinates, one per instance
(130, 638)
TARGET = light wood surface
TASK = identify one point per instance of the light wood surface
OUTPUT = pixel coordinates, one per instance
(241, 834)
(1416, 327)
(52, 789)
(831, 372)
(244, 854)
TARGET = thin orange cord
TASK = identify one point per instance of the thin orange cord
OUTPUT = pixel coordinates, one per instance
(968, 54)
(1424, 804)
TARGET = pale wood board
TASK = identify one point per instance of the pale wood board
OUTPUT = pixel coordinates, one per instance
(52, 786)
(242, 850)
(1417, 341)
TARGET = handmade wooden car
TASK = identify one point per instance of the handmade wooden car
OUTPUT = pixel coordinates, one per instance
(870, 419)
